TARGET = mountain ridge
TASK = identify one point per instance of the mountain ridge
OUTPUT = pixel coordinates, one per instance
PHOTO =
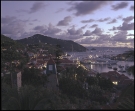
(67, 45)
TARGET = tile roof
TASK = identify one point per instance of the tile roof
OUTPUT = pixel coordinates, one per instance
(65, 60)
(51, 61)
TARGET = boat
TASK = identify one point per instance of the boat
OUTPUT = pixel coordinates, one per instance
(112, 62)
(102, 60)
(126, 67)
(120, 66)
(115, 68)
(109, 66)
(98, 61)
(93, 49)
(121, 70)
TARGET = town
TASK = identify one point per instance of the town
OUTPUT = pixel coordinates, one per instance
(48, 67)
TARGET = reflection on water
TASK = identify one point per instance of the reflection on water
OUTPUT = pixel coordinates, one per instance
(103, 51)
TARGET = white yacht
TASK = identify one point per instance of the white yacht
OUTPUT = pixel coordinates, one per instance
(109, 66)
(102, 60)
(121, 70)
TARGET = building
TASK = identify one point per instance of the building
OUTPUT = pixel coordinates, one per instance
(19, 80)
(51, 71)
(120, 80)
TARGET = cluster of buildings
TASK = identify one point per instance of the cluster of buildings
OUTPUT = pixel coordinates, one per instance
(40, 60)
(46, 63)
(120, 80)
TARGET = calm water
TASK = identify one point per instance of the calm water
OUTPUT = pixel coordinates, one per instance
(103, 51)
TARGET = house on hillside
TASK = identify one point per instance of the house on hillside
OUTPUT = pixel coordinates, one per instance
(120, 80)
(66, 62)
(51, 71)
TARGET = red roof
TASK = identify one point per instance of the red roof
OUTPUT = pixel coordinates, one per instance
(33, 59)
(51, 61)
(65, 60)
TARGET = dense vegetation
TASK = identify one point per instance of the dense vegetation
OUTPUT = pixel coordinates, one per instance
(72, 94)
(126, 100)
(65, 44)
(131, 69)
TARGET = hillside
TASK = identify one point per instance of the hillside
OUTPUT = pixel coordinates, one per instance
(8, 49)
(7, 42)
(65, 44)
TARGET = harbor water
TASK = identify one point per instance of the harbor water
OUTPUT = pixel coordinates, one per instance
(103, 51)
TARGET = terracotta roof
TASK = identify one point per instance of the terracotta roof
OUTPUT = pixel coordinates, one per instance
(65, 60)
(51, 61)
(33, 59)
(123, 77)
(61, 68)
(41, 61)
(126, 82)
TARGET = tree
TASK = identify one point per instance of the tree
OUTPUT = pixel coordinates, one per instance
(58, 53)
(92, 80)
(28, 97)
(131, 69)
(126, 99)
(71, 87)
(33, 77)
(105, 83)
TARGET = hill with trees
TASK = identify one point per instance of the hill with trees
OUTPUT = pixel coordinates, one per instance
(67, 45)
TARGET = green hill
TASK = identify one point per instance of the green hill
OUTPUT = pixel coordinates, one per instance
(7, 42)
(67, 45)
(8, 49)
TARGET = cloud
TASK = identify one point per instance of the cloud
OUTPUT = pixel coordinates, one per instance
(112, 21)
(35, 20)
(47, 30)
(52, 29)
(30, 23)
(83, 27)
(22, 10)
(92, 20)
(103, 20)
(7, 19)
(59, 10)
(88, 21)
(108, 40)
(119, 6)
(128, 19)
(65, 21)
(126, 26)
(87, 33)
(119, 17)
(86, 7)
(35, 7)
(130, 35)
(114, 28)
(12, 26)
(93, 26)
(73, 31)
(97, 31)
(132, 8)
(103, 39)
(39, 28)
(121, 36)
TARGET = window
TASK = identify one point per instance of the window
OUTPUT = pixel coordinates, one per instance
(50, 67)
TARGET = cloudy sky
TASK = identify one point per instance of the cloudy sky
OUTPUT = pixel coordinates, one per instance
(89, 23)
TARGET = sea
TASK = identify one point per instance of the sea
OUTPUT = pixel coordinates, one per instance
(100, 51)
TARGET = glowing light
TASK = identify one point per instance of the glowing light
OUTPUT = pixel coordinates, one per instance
(115, 83)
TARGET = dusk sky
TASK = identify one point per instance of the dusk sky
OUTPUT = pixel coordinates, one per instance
(89, 23)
